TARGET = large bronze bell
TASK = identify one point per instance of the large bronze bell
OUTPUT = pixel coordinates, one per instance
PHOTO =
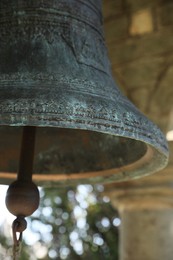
(55, 75)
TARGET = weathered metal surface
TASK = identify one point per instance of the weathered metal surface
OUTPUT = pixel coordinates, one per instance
(54, 72)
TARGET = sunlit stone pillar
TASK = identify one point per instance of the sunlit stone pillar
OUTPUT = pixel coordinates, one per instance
(146, 212)
(146, 232)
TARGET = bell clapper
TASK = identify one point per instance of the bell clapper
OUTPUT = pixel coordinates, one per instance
(22, 197)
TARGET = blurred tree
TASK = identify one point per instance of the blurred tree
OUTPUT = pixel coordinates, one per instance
(72, 223)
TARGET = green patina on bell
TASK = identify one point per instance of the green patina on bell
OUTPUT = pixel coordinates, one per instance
(55, 75)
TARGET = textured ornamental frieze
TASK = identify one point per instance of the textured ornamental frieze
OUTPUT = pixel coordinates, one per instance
(51, 24)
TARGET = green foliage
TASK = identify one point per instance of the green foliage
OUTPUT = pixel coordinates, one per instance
(72, 224)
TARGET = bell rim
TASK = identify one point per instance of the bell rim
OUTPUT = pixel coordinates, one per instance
(157, 140)
(124, 173)
(114, 115)
(153, 160)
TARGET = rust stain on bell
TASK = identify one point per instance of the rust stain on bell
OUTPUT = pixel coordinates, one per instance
(54, 72)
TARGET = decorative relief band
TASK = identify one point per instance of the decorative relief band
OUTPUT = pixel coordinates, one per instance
(52, 109)
(87, 45)
(76, 23)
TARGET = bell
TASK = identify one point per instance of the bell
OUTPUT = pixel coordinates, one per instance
(55, 75)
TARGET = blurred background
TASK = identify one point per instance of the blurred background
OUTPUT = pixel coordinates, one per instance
(85, 221)
(72, 223)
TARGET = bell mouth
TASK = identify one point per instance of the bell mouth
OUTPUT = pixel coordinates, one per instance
(73, 156)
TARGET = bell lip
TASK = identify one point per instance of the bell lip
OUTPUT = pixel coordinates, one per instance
(146, 132)
(155, 158)
(113, 114)
(151, 162)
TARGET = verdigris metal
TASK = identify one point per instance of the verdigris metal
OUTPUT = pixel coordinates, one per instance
(55, 72)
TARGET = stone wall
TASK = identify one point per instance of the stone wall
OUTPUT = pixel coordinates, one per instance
(140, 42)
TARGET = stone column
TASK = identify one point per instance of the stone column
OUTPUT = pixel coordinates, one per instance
(146, 212)
(146, 232)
